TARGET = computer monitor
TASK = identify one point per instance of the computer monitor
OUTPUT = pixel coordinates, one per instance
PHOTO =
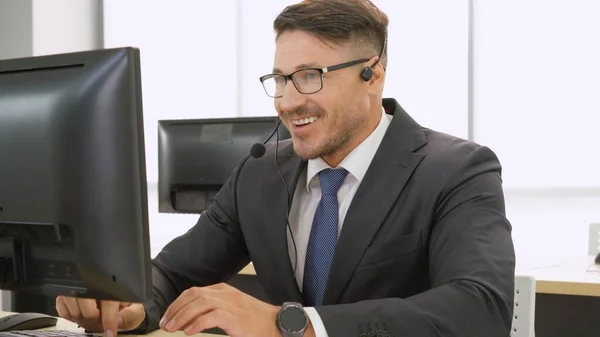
(73, 198)
(197, 156)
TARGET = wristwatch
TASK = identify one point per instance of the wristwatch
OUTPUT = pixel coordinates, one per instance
(292, 320)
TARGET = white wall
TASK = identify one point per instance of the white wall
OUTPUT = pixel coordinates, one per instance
(189, 59)
(536, 89)
(62, 26)
(427, 68)
(41, 27)
(16, 29)
(551, 225)
(536, 80)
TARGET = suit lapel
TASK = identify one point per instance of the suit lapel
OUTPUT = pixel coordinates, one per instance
(388, 173)
(275, 199)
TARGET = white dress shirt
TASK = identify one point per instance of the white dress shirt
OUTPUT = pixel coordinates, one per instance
(308, 194)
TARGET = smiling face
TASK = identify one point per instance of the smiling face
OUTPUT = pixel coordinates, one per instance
(333, 121)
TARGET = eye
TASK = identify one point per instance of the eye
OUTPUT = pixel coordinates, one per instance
(310, 75)
(279, 79)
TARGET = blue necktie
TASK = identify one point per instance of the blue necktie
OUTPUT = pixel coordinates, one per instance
(323, 237)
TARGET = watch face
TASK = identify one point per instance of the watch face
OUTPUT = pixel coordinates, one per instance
(293, 319)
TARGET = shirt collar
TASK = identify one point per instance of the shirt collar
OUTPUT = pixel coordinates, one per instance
(356, 162)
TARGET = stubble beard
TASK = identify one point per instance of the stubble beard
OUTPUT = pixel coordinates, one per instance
(333, 143)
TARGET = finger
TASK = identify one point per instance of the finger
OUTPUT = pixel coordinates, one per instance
(188, 313)
(213, 319)
(194, 309)
(89, 308)
(61, 308)
(110, 316)
(131, 317)
(73, 307)
(184, 299)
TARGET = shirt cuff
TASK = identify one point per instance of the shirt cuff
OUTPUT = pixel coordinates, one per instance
(316, 322)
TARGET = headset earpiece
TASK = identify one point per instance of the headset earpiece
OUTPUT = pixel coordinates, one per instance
(366, 74)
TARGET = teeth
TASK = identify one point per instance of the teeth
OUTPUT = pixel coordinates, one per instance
(304, 121)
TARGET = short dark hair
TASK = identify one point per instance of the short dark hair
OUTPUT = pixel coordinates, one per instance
(338, 21)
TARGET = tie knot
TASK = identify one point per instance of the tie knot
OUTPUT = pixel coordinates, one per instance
(331, 180)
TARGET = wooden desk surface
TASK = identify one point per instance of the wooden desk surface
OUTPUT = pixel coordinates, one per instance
(573, 276)
(63, 324)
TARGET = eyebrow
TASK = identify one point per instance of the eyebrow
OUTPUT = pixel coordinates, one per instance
(300, 66)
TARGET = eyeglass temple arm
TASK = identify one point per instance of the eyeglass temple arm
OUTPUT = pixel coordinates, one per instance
(380, 53)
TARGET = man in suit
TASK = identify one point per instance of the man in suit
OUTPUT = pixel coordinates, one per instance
(394, 229)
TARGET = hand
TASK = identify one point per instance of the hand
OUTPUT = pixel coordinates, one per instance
(222, 306)
(98, 316)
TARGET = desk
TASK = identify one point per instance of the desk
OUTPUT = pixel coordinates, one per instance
(573, 276)
(63, 324)
(567, 295)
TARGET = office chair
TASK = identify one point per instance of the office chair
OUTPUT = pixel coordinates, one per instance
(523, 324)
(594, 239)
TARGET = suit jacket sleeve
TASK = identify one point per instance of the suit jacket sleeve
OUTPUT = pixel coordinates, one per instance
(211, 252)
(471, 267)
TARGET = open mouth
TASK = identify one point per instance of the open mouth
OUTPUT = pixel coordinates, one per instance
(299, 123)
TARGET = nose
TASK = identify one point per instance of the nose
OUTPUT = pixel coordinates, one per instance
(292, 99)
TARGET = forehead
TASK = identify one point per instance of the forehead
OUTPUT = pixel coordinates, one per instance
(297, 49)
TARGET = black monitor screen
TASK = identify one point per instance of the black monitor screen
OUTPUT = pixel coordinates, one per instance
(196, 157)
(73, 199)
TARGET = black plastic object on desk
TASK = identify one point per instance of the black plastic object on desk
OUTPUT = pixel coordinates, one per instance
(26, 321)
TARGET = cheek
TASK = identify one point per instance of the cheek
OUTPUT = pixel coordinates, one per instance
(363, 105)
(279, 113)
(276, 106)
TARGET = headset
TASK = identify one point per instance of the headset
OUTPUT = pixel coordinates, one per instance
(367, 73)
(257, 151)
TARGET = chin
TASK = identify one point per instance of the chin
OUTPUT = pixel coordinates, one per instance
(304, 151)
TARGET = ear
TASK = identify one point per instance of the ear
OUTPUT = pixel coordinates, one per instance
(375, 84)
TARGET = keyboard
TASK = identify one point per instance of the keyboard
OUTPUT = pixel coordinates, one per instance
(48, 333)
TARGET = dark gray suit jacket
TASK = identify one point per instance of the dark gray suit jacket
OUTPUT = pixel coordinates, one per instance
(425, 249)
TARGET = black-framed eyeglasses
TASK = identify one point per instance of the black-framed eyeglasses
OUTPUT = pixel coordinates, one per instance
(306, 81)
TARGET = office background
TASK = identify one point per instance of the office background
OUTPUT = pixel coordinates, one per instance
(520, 76)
